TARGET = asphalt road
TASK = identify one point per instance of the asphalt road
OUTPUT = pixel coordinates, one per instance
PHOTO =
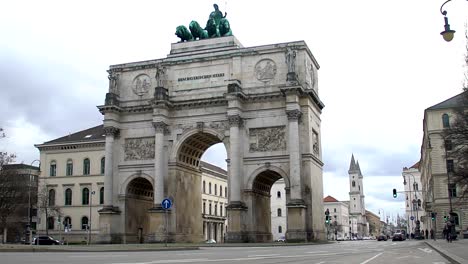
(349, 252)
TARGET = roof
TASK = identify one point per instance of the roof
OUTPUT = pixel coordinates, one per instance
(415, 166)
(329, 199)
(19, 166)
(452, 102)
(212, 167)
(90, 134)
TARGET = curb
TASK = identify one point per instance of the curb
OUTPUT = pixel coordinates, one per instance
(450, 257)
(95, 249)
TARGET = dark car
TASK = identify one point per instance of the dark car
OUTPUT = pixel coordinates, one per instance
(382, 237)
(399, 237)
(45, 240)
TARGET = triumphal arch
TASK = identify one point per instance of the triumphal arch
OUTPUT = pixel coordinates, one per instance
(161, 115)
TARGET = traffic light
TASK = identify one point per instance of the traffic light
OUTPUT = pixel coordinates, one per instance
(419, 203)
(394, 193)
(433, 216)
(445, 218)
(327, 219)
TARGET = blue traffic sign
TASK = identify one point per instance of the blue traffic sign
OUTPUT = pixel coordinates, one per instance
(166, 204)
(412, 218)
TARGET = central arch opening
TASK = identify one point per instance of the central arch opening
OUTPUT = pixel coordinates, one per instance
(138, 199)
(199, 185)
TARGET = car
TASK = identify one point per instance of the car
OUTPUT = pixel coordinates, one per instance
(398, 236)
(210, 241)
(280, 240)
(45, 240)
(382, 237)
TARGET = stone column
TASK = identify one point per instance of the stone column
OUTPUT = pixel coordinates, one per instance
(235, 121)
(294, 153)
(109, 167)
(159, 127)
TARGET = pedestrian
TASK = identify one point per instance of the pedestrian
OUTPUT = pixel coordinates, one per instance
(432, 234)
(427, 234)
(449, 231)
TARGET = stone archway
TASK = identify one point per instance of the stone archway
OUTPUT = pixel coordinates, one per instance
(138, 199)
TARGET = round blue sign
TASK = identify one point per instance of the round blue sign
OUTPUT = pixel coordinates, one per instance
(166, 204)
(412, 218)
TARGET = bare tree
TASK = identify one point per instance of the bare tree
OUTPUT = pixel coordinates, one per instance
(46, 205)
(456, 137)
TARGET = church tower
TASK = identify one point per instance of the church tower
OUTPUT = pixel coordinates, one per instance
(357, 208)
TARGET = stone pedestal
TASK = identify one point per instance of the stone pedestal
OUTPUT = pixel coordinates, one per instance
(158, 222)
(236, 231)
(110, 226)
(296, 221)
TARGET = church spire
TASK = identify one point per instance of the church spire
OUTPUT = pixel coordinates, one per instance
(352, 165)
(358, 168)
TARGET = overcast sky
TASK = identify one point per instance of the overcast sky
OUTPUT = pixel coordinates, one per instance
(382, 63)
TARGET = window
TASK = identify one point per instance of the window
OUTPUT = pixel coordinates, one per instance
(225, 191)
(209, 187)
(101, 195)
(53, 168)
(280, 229)
(50, 222)
(455, 219)
(334, 210)
(354, 184)
(204, 208)
(278, 194)
(209, 209)
(415, 186)
(450, 167)
(220, 190)
(67, 223)
(86, 167)
(103, 165)
(69, 167)
(68, 196)
(452, 188)
(85, 196)
(279, 211)
(448, 144)
(215, 210)
(204, 187)
(51, 197)
(445, 121)
(221, 210)
(216, 189)
(84, 223)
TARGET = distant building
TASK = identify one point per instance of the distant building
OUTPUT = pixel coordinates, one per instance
(278, 210)
(357, 206)
(375, 225)
(414, 199)
(339, 213)
(441, 194)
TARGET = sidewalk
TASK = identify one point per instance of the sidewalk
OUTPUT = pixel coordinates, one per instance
(456, 252)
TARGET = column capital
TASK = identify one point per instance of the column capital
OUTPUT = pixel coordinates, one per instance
(294, 114)
(235, 120)
(111, 131)
(160, 127)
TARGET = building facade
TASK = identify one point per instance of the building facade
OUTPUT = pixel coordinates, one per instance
(71, 191)
(338, 227)
(278, 210)
(441, 194)
(414, 200)
(375, 225)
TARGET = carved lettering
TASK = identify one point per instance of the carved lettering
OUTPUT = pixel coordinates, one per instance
(206, 76)
(139, 148)
(267, 139)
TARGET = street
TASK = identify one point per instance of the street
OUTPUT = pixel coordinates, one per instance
(359, 252)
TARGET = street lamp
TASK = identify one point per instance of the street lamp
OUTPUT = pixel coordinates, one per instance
(89, 221)
(447, 34)
(29, 201)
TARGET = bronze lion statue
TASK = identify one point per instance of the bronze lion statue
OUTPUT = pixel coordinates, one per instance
(197, 31)
(212, 28)
(183, 33)
(224, 28)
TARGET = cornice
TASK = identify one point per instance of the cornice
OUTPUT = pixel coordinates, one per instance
(71, 145)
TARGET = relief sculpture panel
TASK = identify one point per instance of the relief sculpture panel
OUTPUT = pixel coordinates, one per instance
(139, 148)
(267, 139)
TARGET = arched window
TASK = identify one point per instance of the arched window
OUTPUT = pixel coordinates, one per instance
(220, 190)
(204, 187)
(50, 222)
(86, 166)
(69, 167)
(280, 229)
(84, 223)
(445, 121)
(53, 168)
(354, 184)
(209, 209)
(279, 211)
(103, 165)
(101, 195)
(51, 197)
(204, 208)
(216, 189)
(209, 188)
(278, 194)
(67, 223)
(68, 196)
(225, 191)
(215, 209)
(416, 186)
(220, 210)
(85, 196)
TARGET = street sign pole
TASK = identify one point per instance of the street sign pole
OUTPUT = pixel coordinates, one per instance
(166, 205)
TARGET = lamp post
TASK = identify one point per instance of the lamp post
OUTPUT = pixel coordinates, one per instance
(91, 193)
(29, 201)
(383, 214)
(447, 34)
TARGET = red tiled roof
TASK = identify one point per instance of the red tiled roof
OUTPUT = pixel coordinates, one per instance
(415, 166)
(329, 199)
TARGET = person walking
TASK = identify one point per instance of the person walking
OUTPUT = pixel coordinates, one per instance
(427, 234)
(432, 234)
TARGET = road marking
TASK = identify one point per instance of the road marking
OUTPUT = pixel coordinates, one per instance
(427, 250)
(321, 262)
(97, 256)
(268, 255)
(371, 258)
(315, 252)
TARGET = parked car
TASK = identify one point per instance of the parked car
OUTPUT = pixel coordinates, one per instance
(210, 241)
(45, 240)
(398, 236)
(382, 237)
(281, 239)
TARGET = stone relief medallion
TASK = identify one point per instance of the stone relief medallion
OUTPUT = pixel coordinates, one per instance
(267, 139)
(141, 84)
(139, 148)
(265, 70)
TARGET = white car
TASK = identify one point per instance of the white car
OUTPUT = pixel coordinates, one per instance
(210, 241)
